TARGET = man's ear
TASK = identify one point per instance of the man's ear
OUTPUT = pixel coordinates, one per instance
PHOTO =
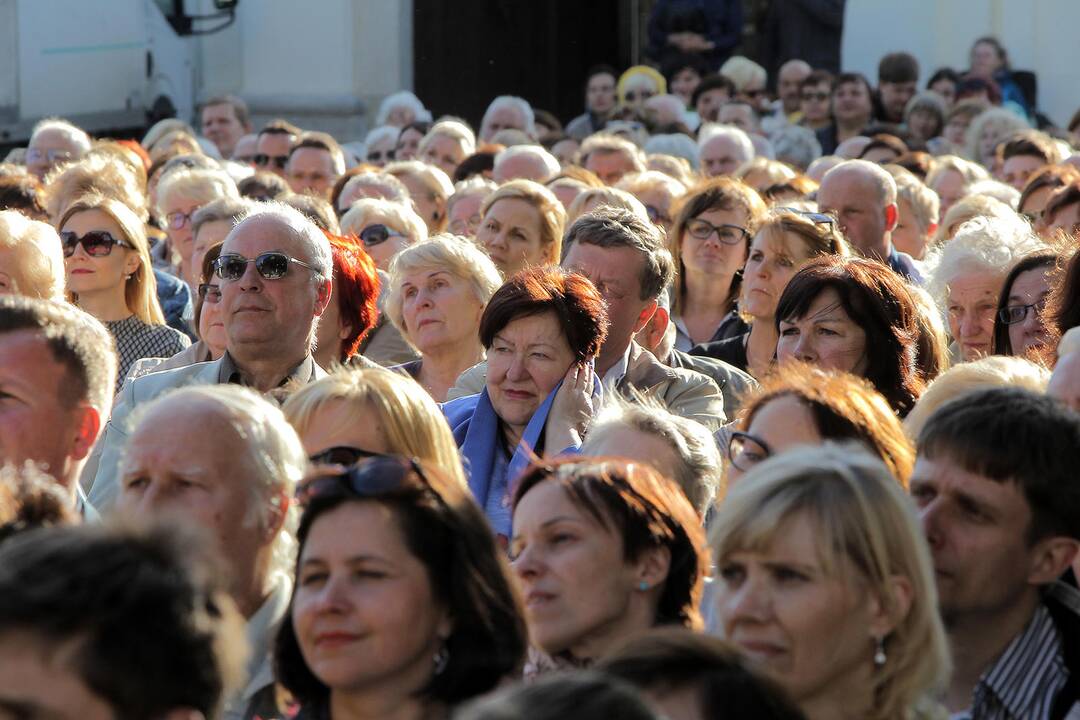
(653, 332)
(1050, 558)
(931, 229)
(892, 216)
(87, 429)
(323, 294)
(645, 316)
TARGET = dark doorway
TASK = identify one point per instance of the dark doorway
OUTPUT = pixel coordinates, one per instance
(469, 51)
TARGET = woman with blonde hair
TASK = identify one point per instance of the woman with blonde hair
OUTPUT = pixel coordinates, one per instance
(384, 227)
(446, 144)
(109, 275)
(951, 177)
(762, 173)
(437, 292)
(180, 193)
(658, 192)
(31, 263)
(355, 413)
(429, 189)
(987, 130)
(522, 225)
(593, 198)
(826, 584)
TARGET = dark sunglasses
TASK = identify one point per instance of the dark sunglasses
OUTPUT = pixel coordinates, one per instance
(373, 477)
(341, 455)
(377, 234)
(271, 265)
(262, 160)
(820, 218)
(210, 294)
(96, 243)
(376, 155)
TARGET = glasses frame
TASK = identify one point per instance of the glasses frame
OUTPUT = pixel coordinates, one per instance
(219, 265)
(205, 293)
(1003, 314)
(390, 232)
(817, 217)
(81, 240)
(744, 233)
(264, 160)
(739, 435)
(326, 457)
(352, 481)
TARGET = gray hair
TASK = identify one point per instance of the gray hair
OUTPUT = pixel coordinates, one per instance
(519, 104)
(455, 129)
(301, 227)
(740, 139)
(392, 189)
(75, 134)
(272, 448)
(551, 165)
(699, 471)
(676, 145)
(402, 98)
(378, 134)
(796, 145)
(616, 227)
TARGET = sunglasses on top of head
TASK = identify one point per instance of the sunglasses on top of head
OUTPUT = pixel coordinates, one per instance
(373, 476)
(96, 243)
(270, 265)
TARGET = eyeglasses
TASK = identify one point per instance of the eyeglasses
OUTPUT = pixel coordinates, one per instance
(271, 265)
(280, 161)
(341, 455)
(1012, 314)
(754, 93)
(727, 234)
(466, 227)
(96, 243)
(745, 451)
(377, 234)
(178, 219)
(53, 156)
(376, 155)
(210, 294)
(815, 97)
(373, 477)
(820, 218)
(656, 215)
(633, 95)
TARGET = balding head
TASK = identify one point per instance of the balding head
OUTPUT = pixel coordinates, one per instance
(863, 197)
(789, 80)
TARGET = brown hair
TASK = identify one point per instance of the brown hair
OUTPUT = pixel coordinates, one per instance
(572, 298)
(25, 194)
(647, 510)
(844, 407)
(1048, 176)
(1063, 305)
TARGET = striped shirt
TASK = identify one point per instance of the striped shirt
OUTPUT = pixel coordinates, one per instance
(1023, 682)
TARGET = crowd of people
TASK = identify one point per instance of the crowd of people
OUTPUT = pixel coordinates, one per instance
(704, 404)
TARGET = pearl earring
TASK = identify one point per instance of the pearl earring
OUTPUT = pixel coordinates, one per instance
(879, 656)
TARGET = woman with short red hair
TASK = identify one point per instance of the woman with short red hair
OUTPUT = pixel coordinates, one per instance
(351, 313)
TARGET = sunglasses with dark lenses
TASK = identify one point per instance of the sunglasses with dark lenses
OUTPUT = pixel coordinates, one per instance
(745, 451)
(1012, 314)
(377, 155)
(210, 294)
(373, 477)
(377, 234)
(96, 243)
(341, 455)
(262, 160)
(271, 265)
(819, 97)
(727, 234)
(820, 218)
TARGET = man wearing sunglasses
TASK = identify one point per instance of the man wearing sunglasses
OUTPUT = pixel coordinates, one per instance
(274, 274)
(273, 145)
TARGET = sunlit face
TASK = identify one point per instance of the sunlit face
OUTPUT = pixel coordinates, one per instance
(311, 170)
(89, 274)
(771, 263)
(1066, 218)
(39, 679)
(810, 631)
(221, 126)
(600, 93)
(788, 86)
(364, 610)
(526, 360)
(781, 424)
(854, 199)
(577, 583)
(209, 235)
(178, 212)
(637, 90)
(895, 96)
(510, 233)
(609, 166)
(1029, 290)
(382, 253)
(440, 309)
(464, 215)
(1016, 170)
(444, 152)
(709, 103)
(408, 144)
(506, 117)
(335, 425)
(211, 324)
(972, 301)
(907, 236)
(825, 336)
(381, 152)
(851, 102)
(429, 206)
(924, 123)
(721, 156)
(712, 256)
(815, 103)
(49, 148)
(740, 116)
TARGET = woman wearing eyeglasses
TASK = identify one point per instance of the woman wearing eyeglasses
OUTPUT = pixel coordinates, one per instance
(356, 413)
(403, 606)
(800, 404)
(384, 227)
(1020, 325)
(711, 239)
(603, 548)
(786, 240)
(179, 194)
(109, 275)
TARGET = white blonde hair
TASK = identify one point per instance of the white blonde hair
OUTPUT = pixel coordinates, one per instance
(1002, 121)
(454, 129)
(388, 186)
(74, 134)
(924, 202)
(547, 160)
(434, 179)
(997, 190)
(676, 145)
(399, 216)
(519, 104)
(743, 72)
(198, 184)
(380, 134)
(38, 270)
(740, 139)
(402, 98)
(456, 255)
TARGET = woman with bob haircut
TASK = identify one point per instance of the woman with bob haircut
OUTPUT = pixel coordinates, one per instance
(710, 240)
(403, 604)
(786, 240)
(429, 189)
(446, 144)
(522, 225)
(438, 291)
(856, 316)
(604, 548)
(355, 413)
(352, 312)
(1019, 323)
(801, 404)
(31, 261)
(110, 276)
(826, 584)
(384, 227)
(541, 330)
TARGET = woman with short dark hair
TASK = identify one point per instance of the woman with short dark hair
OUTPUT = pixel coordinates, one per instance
(403, 605)
(541, 330)
(857, 316)
(604, 548)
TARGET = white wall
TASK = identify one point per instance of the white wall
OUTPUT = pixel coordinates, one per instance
(1040, 35)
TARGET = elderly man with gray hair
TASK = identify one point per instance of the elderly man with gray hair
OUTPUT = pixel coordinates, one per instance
(52, 142)
(508, 112)
(723, 148)
(229, 464)
(530, 162)
(275, 272)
